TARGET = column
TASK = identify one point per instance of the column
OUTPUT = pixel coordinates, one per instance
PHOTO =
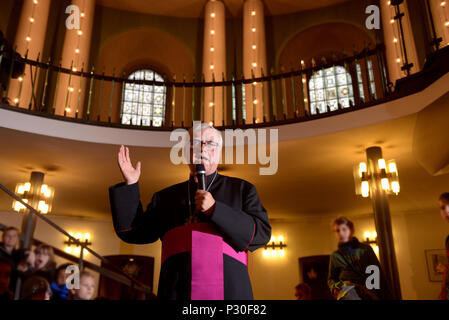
(398, 47)
(29, 39)
(70, 94)
(254, 60)
(382, 220)
(214, 61)
(440, 13)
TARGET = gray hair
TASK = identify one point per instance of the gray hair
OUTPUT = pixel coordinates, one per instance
(217, 132)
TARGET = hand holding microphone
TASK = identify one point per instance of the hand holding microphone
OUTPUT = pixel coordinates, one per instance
(204, 202)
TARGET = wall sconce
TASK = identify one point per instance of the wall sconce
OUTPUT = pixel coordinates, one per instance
(72, 247)
(44, 196)
(275, 248)
(371, 239)
(386, 173)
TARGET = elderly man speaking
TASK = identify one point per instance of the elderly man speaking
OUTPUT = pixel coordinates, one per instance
(206, 234)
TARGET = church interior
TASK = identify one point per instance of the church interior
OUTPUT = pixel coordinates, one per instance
(357, 92)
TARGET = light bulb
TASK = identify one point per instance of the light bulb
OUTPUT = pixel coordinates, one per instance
(362, 168)
(31, 19)
(211, 66)
(253, 29)
(254, 64)
(381, 163)
(212, 15)
(366, 235)
(392, 167)
(42, 207)
(254, 47)
(28, 38)
(395, 187)
(212, 49)
(80, 32)
(365, 189)
(212, 31)
(253, 13)
(385, 183)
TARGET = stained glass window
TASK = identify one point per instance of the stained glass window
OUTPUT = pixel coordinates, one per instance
(329, 87)
(141, 102)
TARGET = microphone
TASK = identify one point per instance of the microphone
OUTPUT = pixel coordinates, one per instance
(201, 176)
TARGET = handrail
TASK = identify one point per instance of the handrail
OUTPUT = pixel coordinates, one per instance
(140, 286)
(91, 75)
(232, 100)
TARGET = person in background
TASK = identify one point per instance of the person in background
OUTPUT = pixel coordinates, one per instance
(348, 264)
(444, 268)
(86, 289)
(40, 262)
(303, 292)
(36, 288)
(8, 250)
(59, 287)
(5, 279)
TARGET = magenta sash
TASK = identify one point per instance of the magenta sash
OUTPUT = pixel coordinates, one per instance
(207, 249)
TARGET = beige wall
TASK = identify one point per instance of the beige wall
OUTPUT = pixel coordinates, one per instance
(274, 279)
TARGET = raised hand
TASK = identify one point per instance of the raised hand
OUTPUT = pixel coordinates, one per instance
(129, 173)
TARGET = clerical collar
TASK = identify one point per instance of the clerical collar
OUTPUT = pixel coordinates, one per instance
(209, 177)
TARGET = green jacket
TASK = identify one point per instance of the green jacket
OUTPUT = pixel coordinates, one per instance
(349, 263)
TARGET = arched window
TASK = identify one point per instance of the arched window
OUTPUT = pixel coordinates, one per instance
(329, 87)
(141, 102)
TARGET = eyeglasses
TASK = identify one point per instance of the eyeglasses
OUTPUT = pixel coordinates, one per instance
(209, 144)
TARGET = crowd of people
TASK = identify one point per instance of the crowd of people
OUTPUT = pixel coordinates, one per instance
(347, 278)
(41, 280)
(37, 273)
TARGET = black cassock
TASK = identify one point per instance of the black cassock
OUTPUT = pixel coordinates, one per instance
(239, 217)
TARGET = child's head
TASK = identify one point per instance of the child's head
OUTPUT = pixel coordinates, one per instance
(5, 275)
(44, 257)
(61, 275)
(303, 292)
(343, 229)
(444, 206)
(87, 287)
(10, 237)
(36, 288)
